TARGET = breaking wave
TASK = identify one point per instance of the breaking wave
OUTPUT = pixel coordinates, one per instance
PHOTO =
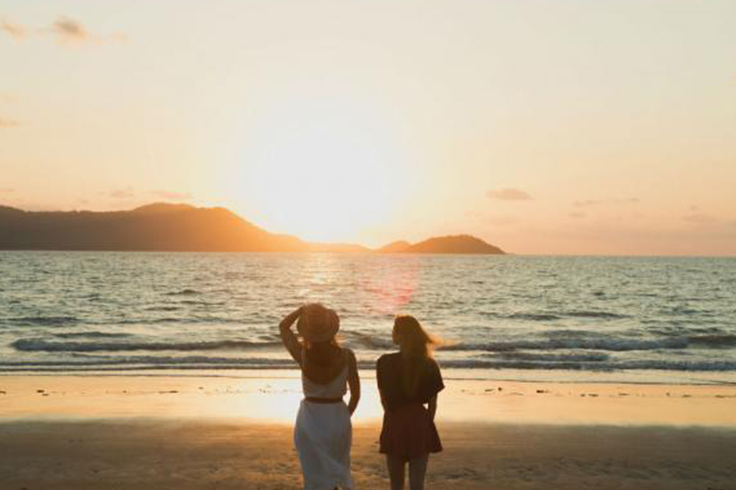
(41, 345)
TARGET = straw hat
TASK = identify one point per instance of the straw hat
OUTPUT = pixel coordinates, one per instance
(317, 323)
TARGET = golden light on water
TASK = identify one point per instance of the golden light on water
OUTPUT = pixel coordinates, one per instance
(391, 289)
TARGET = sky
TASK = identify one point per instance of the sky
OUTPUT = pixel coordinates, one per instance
(541, 126)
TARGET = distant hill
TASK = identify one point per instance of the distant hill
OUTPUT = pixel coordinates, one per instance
(180, 227)
(455, 244)
(394, 247)
(156, 227)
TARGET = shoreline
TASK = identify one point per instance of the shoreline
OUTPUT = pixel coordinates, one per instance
(274, 396)
(557, 376)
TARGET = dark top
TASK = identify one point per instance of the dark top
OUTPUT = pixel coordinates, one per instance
(388, 375)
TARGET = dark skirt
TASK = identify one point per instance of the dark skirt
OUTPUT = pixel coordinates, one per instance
(408, 432)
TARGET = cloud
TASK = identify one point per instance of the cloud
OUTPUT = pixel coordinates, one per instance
(577, 215)
(590, 203)
(6, 190)
(68, 30)
(178, 196)
(700, 219)
(7, 97)
(65, 30)
(586, 204)
(127, 193)
(508, 195)
(16, 31)
(9, 123)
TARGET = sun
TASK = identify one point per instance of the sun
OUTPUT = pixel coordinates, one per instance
(322, 175)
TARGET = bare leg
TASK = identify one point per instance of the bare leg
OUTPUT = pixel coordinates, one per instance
(417, 470)
(396, 468)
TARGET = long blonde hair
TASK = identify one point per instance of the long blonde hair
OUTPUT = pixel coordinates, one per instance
(416, 347)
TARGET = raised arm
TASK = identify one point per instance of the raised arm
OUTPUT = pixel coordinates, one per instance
(289, 338)
(353, 382)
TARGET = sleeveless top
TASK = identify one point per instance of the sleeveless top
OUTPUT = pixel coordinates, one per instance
(337, 388)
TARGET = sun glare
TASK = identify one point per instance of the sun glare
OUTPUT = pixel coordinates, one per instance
(323, 175)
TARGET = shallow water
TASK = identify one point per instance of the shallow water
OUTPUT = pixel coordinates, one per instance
(103, 311)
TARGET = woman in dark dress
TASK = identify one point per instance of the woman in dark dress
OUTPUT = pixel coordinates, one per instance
(408, 380)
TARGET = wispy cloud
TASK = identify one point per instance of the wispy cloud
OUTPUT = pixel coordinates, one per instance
(8, 123)
(700, 219)
(68, 30)
(172, 195)
(16, 31)
(590, 203)
(127, 193)
(65, 30)
(6, 190)
(587, 203)
(508, 195)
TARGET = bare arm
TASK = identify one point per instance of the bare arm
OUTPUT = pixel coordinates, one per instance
(288, 338)
(380, 385)
(353, 382)
(433, 407)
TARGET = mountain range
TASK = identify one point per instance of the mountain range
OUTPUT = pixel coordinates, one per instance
(181, 227)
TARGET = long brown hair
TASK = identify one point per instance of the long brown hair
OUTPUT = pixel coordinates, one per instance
(416, 348)
(322, 354)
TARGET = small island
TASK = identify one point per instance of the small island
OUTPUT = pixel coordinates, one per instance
(452, 244)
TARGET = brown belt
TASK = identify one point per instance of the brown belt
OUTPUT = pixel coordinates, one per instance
(322, 400)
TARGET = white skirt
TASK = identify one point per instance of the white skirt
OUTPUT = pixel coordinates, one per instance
(322, 436)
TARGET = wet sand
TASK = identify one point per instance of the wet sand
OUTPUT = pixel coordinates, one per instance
(164, 432)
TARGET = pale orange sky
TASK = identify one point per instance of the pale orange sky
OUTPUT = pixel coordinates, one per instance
(560, 127)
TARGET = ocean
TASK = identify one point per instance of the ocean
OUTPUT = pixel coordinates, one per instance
(614, 319)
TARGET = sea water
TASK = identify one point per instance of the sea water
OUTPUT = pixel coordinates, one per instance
(614, 318)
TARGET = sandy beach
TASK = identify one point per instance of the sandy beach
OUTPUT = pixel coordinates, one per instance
(208, 455)
(229, 431)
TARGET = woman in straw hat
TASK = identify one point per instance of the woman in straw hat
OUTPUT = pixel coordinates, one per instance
(323, 431)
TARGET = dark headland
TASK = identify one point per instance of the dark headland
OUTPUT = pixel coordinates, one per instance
(181, 227)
